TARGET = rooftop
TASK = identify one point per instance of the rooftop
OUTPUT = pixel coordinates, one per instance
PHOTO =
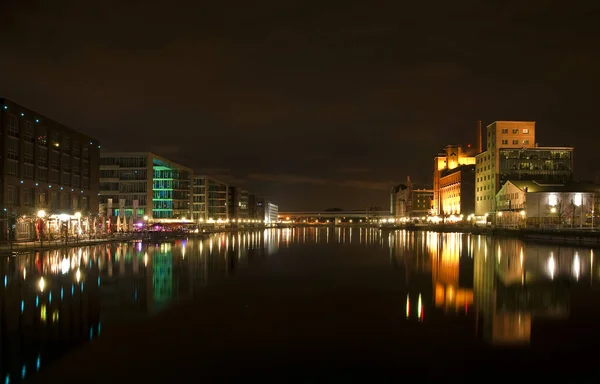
(570, 186)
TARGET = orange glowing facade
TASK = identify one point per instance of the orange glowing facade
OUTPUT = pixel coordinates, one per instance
(448, 292)
(454, 181)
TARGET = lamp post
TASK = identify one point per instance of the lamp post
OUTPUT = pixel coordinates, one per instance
(41, 215)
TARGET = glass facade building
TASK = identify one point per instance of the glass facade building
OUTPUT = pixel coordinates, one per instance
(542, 164)
(138, 184)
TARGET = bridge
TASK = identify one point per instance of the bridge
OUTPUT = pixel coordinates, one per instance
(332, 216)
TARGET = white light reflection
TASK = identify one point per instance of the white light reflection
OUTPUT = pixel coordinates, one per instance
(65, 266)
(551, 265)
(576, 266)
(78, 275)
(420, 308)
(521, 257)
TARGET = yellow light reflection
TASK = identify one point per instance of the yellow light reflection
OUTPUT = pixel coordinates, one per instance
(407, 306)
(43, 313)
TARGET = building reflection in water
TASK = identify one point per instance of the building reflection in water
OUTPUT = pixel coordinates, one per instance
(49, 302)
(503, 288)
(504, 285)
(518, 284)
(52, 301)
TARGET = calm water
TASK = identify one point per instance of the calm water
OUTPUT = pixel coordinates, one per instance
(488, 290)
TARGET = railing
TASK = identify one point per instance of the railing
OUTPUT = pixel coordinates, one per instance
(70, 241)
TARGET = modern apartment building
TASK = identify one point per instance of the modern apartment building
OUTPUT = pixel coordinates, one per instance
(454, 181)
(46, 168)
(239, 208)
(512, 154)
(271, 214)
(210, 199)
(138, 184)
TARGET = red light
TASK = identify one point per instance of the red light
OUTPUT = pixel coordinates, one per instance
(468, 145)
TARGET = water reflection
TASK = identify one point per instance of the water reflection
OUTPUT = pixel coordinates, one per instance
(509, 285)
(505, 290)
(51, 301)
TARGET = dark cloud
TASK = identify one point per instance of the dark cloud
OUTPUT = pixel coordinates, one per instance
(309, 89)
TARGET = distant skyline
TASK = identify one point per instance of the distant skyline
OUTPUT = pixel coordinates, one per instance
(308, 104)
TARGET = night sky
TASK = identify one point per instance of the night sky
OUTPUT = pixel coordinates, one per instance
(312, 105)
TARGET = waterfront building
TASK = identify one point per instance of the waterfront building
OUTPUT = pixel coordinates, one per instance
(217, 199)
(537, 204)
(420, 204)
(398, 196)
(238, 204)
(137, 186)
(454, 181)
(408, 200)
(49, 176)
(271, 214)
(513, 154)
(210, 200)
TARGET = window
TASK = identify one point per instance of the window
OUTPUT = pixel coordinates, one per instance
(515, 131)
(42, 137)
(28, 154)
(28, 171)
(76, 148)
(11, 195)
(54, 140)
(42, 158)
(13, 126)
(505, 130)
(42, 199)
(66, 145)
(29, 197)
(515, 142)
(12, 168)
(54, 200)
(504, 141)
(86, 153)
(42, 174)
(12, 152)
(525, 141)
(525, 130)
(28, 135)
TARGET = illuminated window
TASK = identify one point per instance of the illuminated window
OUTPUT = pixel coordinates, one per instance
(525, 130)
